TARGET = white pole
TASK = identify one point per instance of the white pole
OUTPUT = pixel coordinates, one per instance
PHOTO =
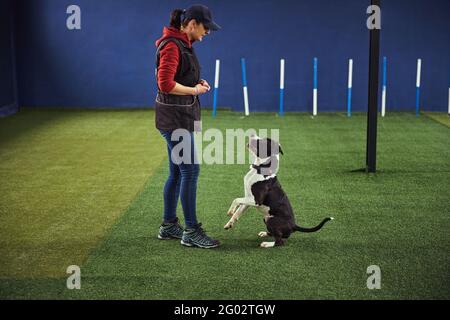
(247, 112)
(448, 101)
(315, 102)
(350, 73)
(216, 81)
(282, 74)
(419, 71)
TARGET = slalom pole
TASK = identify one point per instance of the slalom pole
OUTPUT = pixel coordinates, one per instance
(383, 95)
(244, 83)
(216, 88)
(419, 70)
(281, 87)
(350, 84)
(315, 88)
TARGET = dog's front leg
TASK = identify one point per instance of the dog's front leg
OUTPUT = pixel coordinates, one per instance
(237, 214)
(234, 206)
(241, 204)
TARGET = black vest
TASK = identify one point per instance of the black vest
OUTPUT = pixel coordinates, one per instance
(175, 111)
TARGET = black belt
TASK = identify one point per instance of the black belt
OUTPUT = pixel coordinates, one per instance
(173, 99)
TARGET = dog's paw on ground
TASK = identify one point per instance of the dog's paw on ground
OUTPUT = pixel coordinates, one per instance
(267, 244)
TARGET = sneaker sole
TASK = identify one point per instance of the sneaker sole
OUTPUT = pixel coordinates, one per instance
(166, 238)
(187, 244)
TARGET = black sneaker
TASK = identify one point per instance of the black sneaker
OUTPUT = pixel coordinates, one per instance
(197, 237)
(171, 230)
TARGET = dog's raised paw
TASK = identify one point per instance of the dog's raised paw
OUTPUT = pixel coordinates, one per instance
(228, 226)
(267, 244)
(262, 234)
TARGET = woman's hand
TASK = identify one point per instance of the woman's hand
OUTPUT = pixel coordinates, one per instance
(201, 89)
(205, 83)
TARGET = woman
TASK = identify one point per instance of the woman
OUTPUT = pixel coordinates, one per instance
(178, 107)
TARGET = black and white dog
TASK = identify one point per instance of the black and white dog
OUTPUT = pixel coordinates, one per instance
(263, 191)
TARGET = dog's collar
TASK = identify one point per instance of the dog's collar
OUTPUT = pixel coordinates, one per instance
(265, 164)
(264, 160)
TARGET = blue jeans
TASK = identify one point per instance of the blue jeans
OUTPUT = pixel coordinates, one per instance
(181, 183)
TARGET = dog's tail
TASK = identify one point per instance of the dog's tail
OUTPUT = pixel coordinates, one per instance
(313, 229)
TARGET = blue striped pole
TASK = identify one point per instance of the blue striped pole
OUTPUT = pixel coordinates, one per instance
(383, 96)
(419, 69)
(244, 83)
(350, 84)
(281, 87)
(315, 88)
(216, 87)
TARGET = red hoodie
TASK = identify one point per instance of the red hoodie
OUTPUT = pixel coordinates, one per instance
(169, 58)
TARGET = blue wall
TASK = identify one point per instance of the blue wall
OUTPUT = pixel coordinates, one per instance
(412, 30)
(110, 61)
(8, 100)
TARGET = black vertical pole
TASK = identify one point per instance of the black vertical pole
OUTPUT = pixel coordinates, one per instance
(374, 63)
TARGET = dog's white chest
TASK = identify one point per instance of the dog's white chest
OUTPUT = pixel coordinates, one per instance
(250, 179)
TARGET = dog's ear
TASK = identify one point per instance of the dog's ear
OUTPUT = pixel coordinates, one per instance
(276, 146)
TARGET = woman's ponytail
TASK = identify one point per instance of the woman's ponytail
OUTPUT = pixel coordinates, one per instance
(175, 18)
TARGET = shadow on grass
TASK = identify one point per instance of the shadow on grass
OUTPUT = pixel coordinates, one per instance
(26, 120)
(393, 171)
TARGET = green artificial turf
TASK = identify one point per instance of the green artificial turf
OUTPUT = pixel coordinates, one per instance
(397, 219)
(441, 117)
(65, 178)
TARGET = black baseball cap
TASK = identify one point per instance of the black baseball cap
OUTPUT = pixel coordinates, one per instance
(202, 14)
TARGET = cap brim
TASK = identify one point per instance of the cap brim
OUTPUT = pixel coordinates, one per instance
(212, 26)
